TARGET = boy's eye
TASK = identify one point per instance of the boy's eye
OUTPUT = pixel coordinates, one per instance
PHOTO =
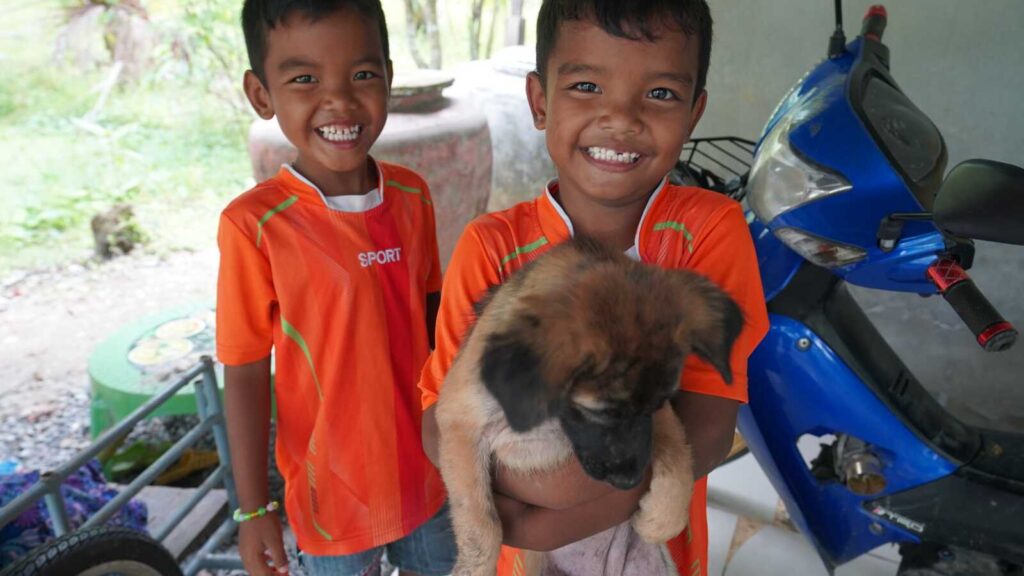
(364, 75)
(304, 79)
(662, 94)
(586, 87)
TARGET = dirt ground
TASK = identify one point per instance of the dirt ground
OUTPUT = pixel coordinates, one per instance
(50, 322)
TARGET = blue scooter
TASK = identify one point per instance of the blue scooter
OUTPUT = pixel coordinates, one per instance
(847, 184)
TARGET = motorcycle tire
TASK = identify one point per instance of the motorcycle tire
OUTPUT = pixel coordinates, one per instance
(929, 559)
(98, 552)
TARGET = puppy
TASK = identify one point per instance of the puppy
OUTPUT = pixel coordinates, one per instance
(579, 353)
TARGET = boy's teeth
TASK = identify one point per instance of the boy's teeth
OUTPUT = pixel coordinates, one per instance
(608, 155)
(340, 133)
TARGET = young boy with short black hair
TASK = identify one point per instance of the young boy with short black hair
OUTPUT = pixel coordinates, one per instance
(333, 265)
(618, 89)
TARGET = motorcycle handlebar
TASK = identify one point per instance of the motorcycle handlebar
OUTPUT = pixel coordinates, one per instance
(992, 332)
(874, 22)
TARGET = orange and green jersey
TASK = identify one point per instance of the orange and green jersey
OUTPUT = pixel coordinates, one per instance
(680, 228)
(340, 298)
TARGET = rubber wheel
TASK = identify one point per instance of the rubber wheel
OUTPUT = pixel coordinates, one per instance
(98, 552)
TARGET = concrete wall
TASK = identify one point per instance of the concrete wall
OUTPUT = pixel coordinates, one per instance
(961, 64)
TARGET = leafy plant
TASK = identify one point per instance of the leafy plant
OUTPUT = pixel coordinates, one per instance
(421, 27)
(205, 46)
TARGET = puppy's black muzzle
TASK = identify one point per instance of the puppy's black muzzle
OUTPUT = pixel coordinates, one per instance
(617, 454)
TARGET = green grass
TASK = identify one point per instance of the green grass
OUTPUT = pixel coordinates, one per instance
(170, 143)
(167, 144)
(163, 154)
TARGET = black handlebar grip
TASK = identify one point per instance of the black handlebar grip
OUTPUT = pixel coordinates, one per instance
(874, 23)
(992, 332)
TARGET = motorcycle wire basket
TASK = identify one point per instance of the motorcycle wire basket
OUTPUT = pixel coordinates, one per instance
(720, 164)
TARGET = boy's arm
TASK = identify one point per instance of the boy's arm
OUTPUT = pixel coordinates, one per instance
(710, 423)
(562, 489)
(247, 404)
(245, 296)
(430, 435)
(544, 529)
(433, 304)
(434, 277)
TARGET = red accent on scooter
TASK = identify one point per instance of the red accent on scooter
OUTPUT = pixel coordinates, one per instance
(994, 331)
(946, 273)
(876, 10)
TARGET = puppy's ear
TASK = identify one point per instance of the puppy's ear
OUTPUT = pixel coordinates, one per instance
(512, 372)
(714, 321)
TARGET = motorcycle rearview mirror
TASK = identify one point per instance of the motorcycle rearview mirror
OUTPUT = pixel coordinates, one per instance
(982, 200)
(837, 42)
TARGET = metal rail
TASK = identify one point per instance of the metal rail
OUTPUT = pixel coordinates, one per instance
(211, 415)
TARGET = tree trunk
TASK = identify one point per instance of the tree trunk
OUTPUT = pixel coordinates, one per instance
(433, 33)
(420, 21)
(475, 24)
(496, 6)
(413, 27)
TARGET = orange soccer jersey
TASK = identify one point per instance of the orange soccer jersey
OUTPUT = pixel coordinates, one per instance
(680, 228)
(340, 297)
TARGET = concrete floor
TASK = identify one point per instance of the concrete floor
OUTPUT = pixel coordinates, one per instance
(747, 537)
(981, 388)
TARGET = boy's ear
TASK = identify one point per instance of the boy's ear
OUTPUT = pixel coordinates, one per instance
(697, 110)
(391, 75)
(258, 96)
(538, 102)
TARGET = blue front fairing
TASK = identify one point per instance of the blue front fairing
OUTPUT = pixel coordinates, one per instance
(789, 397)
(828, 132)
(797, 390)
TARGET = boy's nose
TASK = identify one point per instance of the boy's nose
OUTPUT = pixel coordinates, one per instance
(339, 96)
(621, 118)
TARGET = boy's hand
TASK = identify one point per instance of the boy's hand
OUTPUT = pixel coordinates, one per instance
(261, 546)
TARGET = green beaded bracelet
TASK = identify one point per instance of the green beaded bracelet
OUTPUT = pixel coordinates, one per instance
(240, 517)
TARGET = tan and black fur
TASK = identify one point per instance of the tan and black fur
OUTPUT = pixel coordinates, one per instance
(578, 354)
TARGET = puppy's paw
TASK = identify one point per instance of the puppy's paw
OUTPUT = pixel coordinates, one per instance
(479, 545)
(664, 511)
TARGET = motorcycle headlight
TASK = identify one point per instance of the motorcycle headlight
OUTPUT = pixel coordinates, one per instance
(781, 180)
